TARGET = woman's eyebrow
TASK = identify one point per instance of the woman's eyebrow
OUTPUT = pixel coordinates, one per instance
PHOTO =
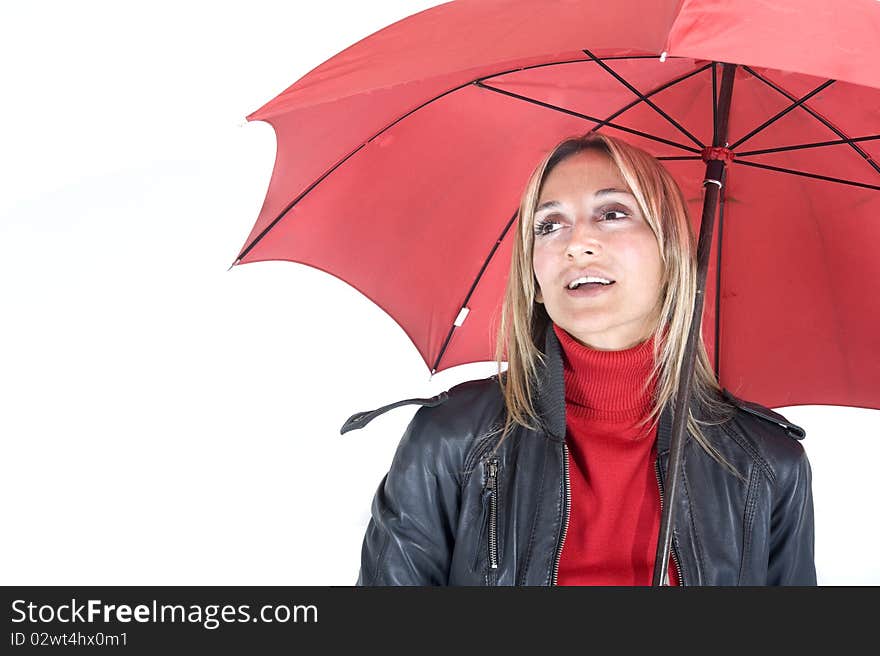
(553, 204)
(612, 190)
(548, 205)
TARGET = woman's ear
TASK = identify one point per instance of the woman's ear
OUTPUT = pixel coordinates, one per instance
(539, 297)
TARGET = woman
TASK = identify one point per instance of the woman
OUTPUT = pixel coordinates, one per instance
(551, 473)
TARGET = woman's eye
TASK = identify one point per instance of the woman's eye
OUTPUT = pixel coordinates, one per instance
(545, 227)
(548, 225)
(609, 215)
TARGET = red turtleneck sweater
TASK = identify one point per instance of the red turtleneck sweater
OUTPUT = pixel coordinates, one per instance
(615, 499)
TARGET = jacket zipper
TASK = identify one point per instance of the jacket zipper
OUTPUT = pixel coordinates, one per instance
(491, 484)
(565, 517)
(672, 550)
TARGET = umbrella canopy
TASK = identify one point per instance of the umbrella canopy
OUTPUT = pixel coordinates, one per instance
(407, 152)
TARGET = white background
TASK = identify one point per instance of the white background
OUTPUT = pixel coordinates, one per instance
(164, 420)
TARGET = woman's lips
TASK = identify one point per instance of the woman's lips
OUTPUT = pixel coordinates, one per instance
(588, 289)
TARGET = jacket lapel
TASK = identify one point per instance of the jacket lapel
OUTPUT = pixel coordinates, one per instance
(550, 402)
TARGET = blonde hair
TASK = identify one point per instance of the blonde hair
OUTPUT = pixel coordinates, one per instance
(524, 321)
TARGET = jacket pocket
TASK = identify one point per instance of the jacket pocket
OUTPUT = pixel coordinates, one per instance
(488, 537)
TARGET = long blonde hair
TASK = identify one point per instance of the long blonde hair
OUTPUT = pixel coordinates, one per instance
(524, 320)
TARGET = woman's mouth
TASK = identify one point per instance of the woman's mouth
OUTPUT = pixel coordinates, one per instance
(588, 289)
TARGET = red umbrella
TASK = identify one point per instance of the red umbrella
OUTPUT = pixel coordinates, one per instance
(407, 152)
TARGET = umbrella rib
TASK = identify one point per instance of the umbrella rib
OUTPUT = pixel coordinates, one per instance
(819, 118)
(804, 174)
(473, 287)
(615, 58)
(291, 205)
(647, 95)
(795, 104)
(815, 144)
(643, 98)
(554, 63)
(296, 200)
(585, 117)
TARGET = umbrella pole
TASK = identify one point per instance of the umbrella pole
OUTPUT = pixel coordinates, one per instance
(715, 163)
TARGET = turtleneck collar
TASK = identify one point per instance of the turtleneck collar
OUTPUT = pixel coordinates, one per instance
(606, 385)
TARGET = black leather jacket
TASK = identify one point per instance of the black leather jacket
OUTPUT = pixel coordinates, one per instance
(448, 514)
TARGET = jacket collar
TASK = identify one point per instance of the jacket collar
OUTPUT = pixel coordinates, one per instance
(551, 395)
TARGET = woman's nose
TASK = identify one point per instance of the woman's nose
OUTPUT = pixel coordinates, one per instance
(584, 240)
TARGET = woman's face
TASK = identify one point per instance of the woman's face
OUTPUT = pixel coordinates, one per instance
(588, 224)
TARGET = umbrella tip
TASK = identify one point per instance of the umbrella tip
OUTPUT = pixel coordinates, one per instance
(233, 264)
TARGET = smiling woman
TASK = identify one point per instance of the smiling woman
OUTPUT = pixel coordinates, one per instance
(551, 472)
(592, 242)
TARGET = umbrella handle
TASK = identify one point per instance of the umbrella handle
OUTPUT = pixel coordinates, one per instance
(713, 182)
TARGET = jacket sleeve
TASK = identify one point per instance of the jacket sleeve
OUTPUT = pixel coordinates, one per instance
(410, 536)
(791, 531)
